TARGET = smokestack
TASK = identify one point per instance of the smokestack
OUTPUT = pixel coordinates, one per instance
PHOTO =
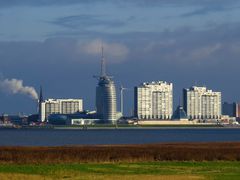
(40, 100)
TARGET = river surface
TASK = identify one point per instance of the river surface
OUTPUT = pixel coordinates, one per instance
(61, 137)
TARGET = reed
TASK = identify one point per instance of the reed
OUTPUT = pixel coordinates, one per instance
(121, 153)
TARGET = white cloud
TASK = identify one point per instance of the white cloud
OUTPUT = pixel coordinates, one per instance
(115, 52)
(204, 52)
(159, 45)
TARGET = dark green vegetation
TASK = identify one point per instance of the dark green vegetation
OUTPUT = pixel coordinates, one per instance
(172, 170)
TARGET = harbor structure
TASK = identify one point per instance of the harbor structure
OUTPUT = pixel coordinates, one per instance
(60, 106)
(202, 103)
(153, 100)
(106, 104)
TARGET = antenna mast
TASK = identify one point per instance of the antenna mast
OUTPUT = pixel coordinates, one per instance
(103, 65)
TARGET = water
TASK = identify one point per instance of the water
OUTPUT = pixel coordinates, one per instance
(51, 137)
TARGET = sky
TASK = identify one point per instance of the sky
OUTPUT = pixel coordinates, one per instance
(56, 44)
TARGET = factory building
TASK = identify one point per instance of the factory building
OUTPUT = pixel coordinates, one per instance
(153, 100)
(60, 106)
(200, 103)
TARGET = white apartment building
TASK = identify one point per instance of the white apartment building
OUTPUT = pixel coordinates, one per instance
(60, 106)
(153, 100)
(201, 103)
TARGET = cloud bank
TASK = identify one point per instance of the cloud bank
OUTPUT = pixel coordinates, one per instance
(113, 50)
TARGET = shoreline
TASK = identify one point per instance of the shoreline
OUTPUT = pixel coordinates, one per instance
(142, 128)
(122, 127)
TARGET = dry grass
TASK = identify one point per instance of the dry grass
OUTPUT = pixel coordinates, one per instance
(221, 170)
(121, 153)
(14, 176)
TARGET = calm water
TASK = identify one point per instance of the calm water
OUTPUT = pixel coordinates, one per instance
(50, 137)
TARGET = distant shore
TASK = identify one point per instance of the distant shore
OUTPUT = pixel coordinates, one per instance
(120, 126)
(227, 151)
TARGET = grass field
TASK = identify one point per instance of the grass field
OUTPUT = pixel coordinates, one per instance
(136, 162)
(157, 170)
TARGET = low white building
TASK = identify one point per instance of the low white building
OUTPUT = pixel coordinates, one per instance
(83, 121)
(60, 106)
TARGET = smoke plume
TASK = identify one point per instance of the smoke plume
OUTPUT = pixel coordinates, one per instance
(15, 86)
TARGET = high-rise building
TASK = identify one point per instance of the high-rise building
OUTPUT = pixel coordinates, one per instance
(231, 109)
(106, 96)
(60, 106)
(237, 110)
(200, 103)
(153, 100)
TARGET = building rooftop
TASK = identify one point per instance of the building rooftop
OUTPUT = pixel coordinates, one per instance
(155, 83)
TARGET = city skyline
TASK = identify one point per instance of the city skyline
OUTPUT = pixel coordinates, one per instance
(56, 44)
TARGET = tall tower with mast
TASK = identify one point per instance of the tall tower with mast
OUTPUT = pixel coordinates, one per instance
(106, 95)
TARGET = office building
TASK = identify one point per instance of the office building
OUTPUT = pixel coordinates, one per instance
(237, 110)
(60, 106)
(153, 100)
(200, 103)
(231, 109)
(106, 96)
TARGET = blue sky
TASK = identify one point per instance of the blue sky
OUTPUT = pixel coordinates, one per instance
(55, 43)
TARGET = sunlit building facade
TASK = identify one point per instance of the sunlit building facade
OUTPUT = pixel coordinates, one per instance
(153, 100)
(60, 106)
(201, 103)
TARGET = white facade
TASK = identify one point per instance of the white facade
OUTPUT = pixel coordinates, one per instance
(200, 103)
(83, 121)
(61, 106)
(154, 100)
